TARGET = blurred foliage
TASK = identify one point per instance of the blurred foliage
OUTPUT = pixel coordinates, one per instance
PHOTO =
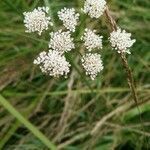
(66, 110)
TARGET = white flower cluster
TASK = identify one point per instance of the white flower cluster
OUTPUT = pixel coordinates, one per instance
(37, 20)
(92, 64)
(121, 41)
(61, 41)
(91, 40)
(52, 63)
(94, 8)
(69, 18)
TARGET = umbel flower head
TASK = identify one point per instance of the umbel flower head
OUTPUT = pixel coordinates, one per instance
(91, 40)
(37, 20)
(69, 18)
(94, 8)
(121, 41)
(52, 63)
(92, 64)
(61, 41)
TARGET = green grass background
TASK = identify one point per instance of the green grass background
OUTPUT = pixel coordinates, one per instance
(42, 100)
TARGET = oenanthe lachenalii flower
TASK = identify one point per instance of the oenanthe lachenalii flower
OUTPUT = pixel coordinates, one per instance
(92, 64)
(37, 20)
(69, 17)
(61, 41)
(121, 41)
(52, 63)
(94, 8)
(91, 40)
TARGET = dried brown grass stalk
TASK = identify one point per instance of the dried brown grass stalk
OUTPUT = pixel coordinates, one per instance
(66, 114)
(130, 79)
(118, 110)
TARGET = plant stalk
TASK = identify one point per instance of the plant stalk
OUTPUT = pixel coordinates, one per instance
(130, 78)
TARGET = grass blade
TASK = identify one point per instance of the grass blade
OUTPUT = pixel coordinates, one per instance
(27, 124)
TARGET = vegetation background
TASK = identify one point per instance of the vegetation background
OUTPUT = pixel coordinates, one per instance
(66, 110)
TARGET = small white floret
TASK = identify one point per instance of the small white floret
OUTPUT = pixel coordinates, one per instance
(92, 64)
(61, 41)
(94, 8)
(91, 40)
(37, 20)
(69, 17)
(121, 41)
(52, 63)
